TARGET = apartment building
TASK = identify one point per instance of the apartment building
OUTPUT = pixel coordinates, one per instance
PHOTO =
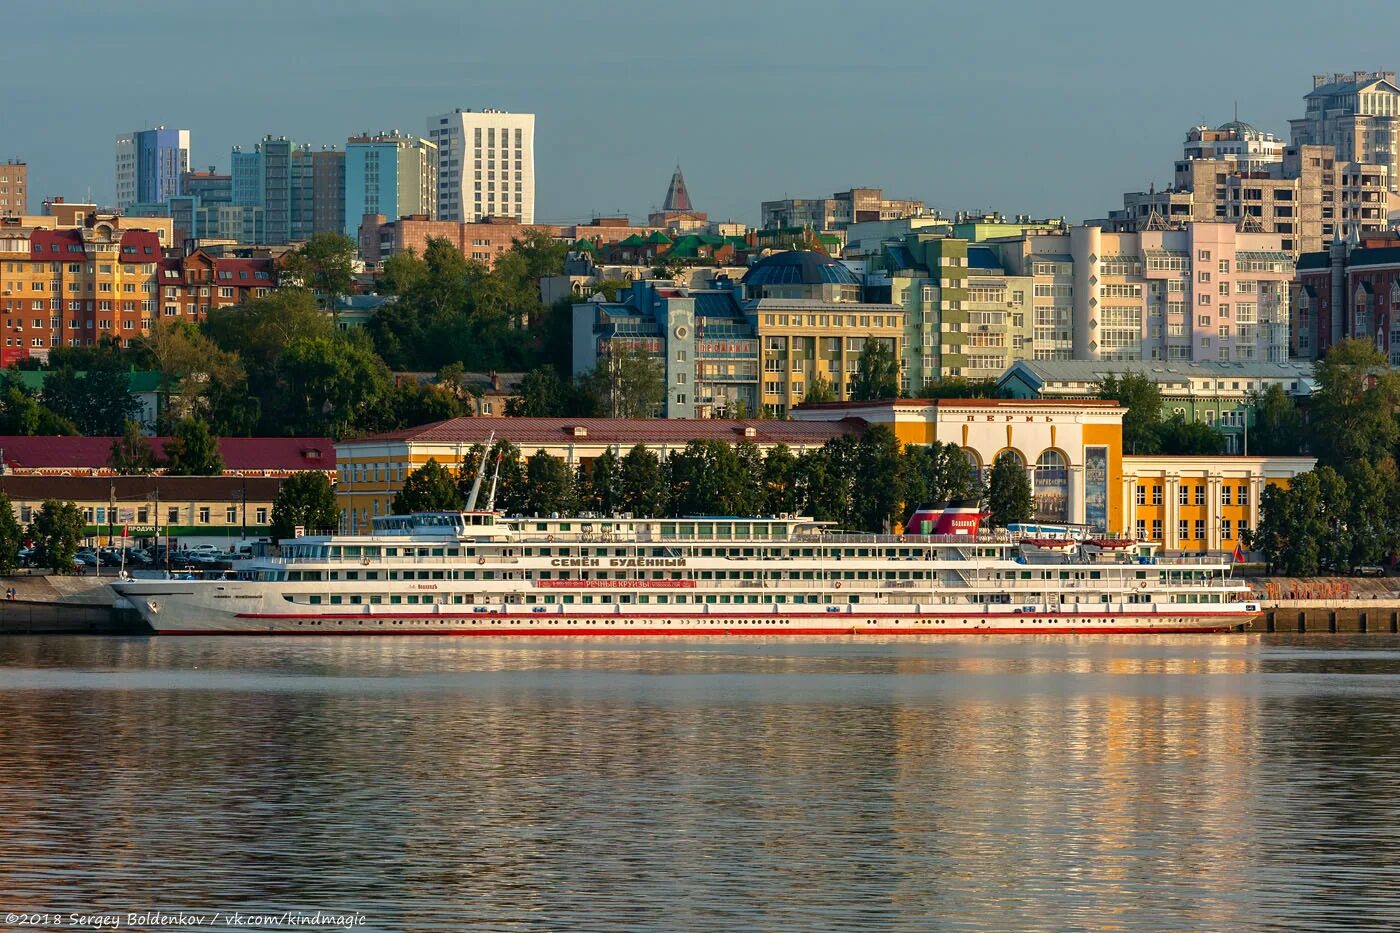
(392, 174)
(1309, 197)
(300, 190)
(796, 317)
(1350, 290)
(483, 242)
(1202, 291)
(14, 188)
(485, 165)
(73, 286)
(857, 205)
(1359, 115)
(149, 165)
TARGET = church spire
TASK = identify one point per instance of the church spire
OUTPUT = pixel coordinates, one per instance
(677, 197)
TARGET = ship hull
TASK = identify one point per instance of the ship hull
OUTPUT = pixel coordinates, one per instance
(172, 609)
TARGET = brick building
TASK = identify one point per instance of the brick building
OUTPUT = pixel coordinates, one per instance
(381, 238)
(14, 188)
(1351, 290)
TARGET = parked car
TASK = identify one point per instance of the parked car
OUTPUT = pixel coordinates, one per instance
(1368, 570)
(204, 549)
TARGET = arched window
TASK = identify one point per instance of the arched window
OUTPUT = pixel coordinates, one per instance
(1051, 487)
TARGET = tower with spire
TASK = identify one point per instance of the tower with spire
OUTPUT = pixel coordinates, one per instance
(677, 213)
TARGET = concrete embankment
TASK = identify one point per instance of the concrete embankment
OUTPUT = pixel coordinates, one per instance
(50, 605)
(1328, 605)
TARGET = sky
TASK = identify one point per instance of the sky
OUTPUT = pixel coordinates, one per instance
(1048, 109)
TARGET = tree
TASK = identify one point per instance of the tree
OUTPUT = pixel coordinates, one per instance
(193, 451)
(877, 372)
(819, 390)
(710, 478)
(627, 384)
(98, 401)
(334, 385)
(597, 484)
(212, 382)
(875, 497)
(306, 499)
(1353, 410)
(1372, 519)
(1277, 426)
(21, 413)
(779, 481)
(826, 480)
(413, 403)
(10, 536)
(131, 453)
(1303, 529)
(326, 264)
(1143, 400)
(56, 530)
(542, 395)
(937, 473)
(641, 484)
(1180, 437)
(958, 387)
(1009, 493)
(550, 485)
(430, 488)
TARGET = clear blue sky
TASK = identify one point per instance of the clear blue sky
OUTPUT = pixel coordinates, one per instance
(1042, 108)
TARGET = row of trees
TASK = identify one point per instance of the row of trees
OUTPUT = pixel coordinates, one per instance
(1346, 512)
(55, 532)
(862, 483)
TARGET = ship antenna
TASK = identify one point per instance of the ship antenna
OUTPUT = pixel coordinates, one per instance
(480, 472)
(491, 500)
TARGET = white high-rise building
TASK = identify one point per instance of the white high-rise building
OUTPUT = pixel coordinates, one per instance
(486, 164)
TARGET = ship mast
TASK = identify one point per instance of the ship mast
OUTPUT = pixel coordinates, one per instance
(495, 477)
(480, 472)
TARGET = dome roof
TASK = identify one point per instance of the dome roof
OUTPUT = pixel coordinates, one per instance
(1239, 128)
(799, 267)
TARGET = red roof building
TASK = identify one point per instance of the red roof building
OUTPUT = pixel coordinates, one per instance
(91, 456)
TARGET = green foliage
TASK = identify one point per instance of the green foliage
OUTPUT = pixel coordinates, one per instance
(641, 484)
(193, 451)
(549, 488)
(412, 403)
(779, 481)
(56, 530)
(1353, 410)
(542, 395)
(10, 536)
(1329, 522)
(1009, 496)
(131, 452)
(1143, 400)
(936, 474)
(334, 383)
(97, 401)
(958, 387)
(627, 384)
(430, 488)
(1277, 429)
(1179, 437)
(21, 413)
(597, 484)
(877, 372)
(305, 499)
(819, 390)
(325, 264)
(875, 498)
(710, 478)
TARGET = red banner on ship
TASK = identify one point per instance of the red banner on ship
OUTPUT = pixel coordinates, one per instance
(616, 584)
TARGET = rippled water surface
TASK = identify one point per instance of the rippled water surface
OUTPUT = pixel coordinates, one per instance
(1134, 784)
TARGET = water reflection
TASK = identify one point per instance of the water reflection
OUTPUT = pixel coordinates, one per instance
(960, 784)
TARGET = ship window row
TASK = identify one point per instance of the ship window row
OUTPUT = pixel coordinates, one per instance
(569, 599)
(1160, 575)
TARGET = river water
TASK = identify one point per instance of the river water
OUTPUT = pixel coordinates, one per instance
(1096, 783)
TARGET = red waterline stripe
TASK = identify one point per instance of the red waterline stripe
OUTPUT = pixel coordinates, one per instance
(595, 632)
(719, 617)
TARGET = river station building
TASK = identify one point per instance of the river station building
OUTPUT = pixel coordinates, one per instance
(1072, 449)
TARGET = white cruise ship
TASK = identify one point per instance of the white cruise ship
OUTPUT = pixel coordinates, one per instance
(480, 573)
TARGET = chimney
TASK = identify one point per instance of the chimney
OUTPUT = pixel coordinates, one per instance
(495, 381)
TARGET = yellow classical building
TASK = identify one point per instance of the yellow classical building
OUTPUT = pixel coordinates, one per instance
(1072, 449)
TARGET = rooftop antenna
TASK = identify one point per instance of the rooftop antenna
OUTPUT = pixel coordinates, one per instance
(480, 471)
(495, 477)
